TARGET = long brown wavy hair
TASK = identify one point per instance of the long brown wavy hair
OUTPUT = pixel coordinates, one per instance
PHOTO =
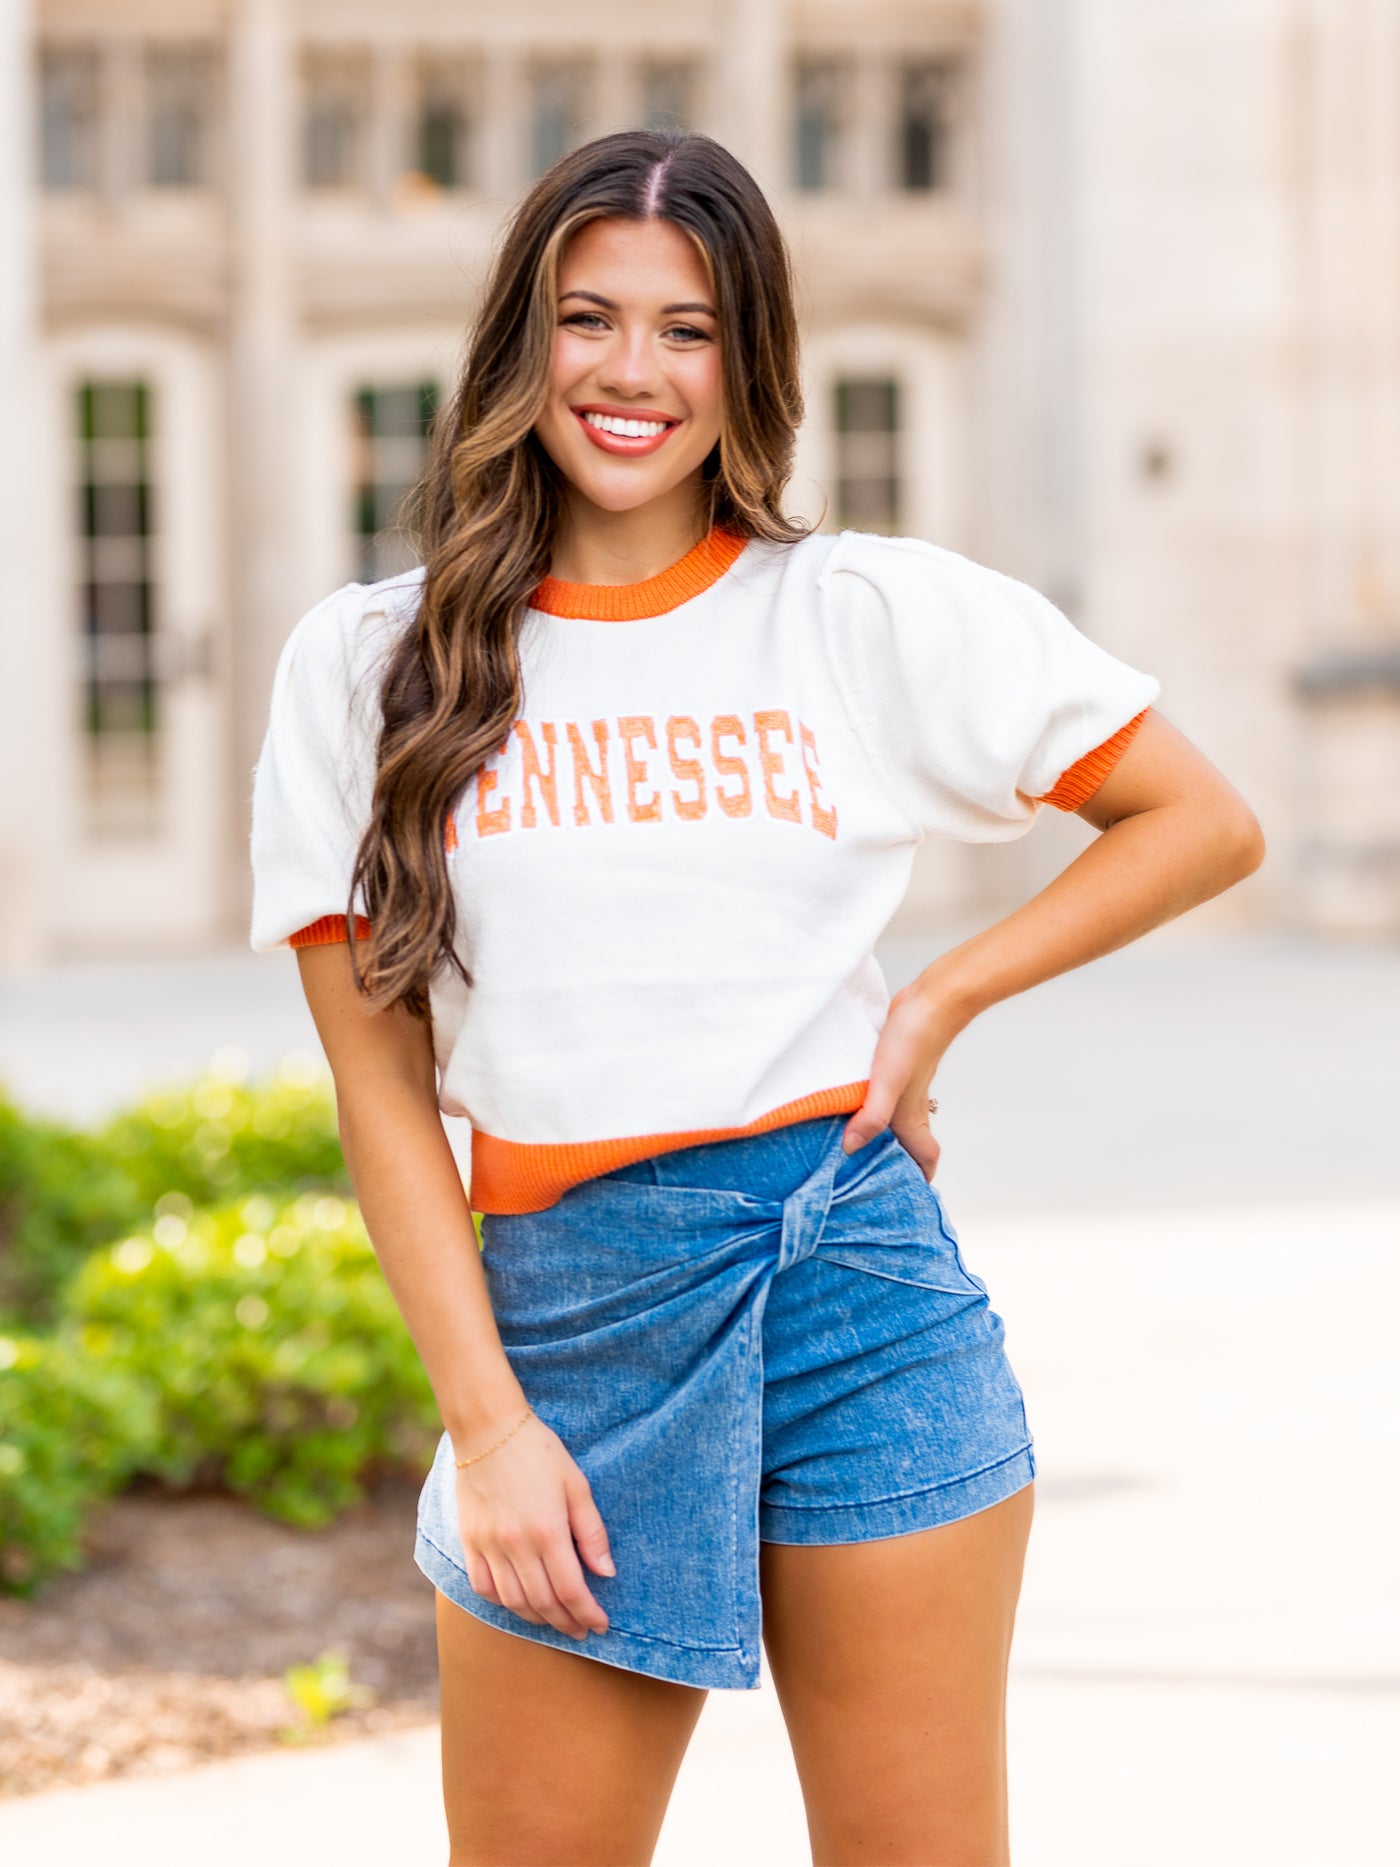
(486, 509)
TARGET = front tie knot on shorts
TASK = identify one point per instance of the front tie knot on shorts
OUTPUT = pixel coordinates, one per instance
(761, 1338)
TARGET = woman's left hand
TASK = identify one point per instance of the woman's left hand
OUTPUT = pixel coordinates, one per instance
(1173, 832)
(921, 1023)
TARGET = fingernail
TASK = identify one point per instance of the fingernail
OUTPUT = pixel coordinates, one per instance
(608, 1566)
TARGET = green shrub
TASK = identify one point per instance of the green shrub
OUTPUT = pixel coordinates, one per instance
(217, 1137)
(60, 1195)
(218, 1315)
(70, 1431)
(63, 1193)
(269, 1345)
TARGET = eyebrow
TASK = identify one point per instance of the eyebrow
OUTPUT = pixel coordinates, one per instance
(610, 304)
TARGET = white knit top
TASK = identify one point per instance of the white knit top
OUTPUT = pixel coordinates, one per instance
(670, 881)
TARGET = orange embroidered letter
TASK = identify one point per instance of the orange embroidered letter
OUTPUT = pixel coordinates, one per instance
(602, 787)
(638, 726)
(822, 818)
(530, 768)
(490, 822)
(730, 726)
(681, 726)
(775, 720)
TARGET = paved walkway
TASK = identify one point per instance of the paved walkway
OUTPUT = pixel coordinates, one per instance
(1207, 1666)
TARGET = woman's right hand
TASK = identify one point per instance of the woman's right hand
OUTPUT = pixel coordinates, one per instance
(519, 1512)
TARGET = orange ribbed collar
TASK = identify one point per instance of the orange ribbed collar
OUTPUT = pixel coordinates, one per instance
(701, 566)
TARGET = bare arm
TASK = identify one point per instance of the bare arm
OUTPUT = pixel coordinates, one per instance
(516, 1507)
(411, 1195)
(1174, 833)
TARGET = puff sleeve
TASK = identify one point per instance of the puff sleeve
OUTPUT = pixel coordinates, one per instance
(314, 778)
(975, 697)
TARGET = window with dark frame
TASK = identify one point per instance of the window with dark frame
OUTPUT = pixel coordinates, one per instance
(70, 117)
(391, 424)
(180, 102)
(867, 431)
(335, 111)
(443, 131)
(121, 702)
(923, 152)
(441, 139)
(558, 110)
(818, 124)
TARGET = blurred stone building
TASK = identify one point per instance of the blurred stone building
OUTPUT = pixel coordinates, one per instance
(1105, 295)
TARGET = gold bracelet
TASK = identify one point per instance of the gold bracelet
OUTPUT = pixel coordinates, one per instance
(500, 1442)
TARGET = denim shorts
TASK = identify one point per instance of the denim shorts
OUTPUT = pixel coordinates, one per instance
(753, 1339)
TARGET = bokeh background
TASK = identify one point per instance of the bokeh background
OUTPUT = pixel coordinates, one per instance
(1106, 295)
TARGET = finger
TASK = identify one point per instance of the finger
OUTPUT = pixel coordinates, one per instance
(511, 1590)
(539, 1591)
(566, 1578)
(586, 1524)
(917, 1140)
(479, 1575)
(868, 1121)
(913, 1124)
(894, 1062)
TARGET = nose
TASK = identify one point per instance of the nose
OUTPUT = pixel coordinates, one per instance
(629, 369)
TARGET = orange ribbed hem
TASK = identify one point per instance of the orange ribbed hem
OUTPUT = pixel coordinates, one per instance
(327, 930)
(523, 1176)
(1077, 785)
(701, 566)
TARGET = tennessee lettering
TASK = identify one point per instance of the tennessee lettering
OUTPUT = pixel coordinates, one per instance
(645, 768)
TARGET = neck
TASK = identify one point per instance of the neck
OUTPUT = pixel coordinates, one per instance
(594, 546)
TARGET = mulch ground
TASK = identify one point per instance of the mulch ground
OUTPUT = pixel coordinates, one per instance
(169, 1647)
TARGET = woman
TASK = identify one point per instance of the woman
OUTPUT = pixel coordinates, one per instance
(586, 831)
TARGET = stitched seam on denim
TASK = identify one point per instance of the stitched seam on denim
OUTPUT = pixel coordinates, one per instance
(950, 1236)
(1025, 1417)
(628, 1633)
(945, 1230)
(893, 1497)
(681, 1646)
(756, 1313)
(914, 1283)
(604, 1182)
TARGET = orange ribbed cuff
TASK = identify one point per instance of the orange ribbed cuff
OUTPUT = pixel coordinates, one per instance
(327, 930)
(522, 1176)
(1077, 785)
(701, 566)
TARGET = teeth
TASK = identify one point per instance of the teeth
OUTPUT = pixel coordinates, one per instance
(616, 424)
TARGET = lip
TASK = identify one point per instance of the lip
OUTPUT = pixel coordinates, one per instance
(626, 446)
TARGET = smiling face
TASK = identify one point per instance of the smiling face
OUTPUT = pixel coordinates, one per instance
(635, 392)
